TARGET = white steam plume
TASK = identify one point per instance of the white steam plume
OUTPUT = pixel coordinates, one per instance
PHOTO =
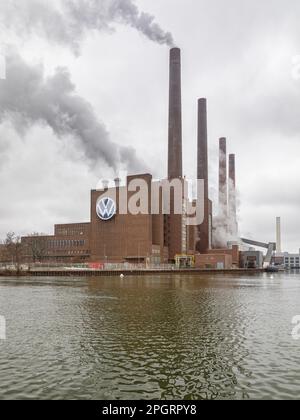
(225, 224)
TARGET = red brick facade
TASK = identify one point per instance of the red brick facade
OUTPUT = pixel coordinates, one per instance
(132, 238)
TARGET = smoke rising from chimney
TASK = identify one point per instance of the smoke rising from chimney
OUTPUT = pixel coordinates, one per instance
(225, 223)
(224, 233)
(27, 98)
(66, 22)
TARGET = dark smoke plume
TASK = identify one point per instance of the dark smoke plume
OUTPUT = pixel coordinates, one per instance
(27, 98)
(66, 22)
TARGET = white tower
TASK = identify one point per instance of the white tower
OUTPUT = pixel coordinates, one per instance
(278, 235)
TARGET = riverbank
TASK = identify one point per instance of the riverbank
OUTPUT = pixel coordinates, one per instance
(118, 273)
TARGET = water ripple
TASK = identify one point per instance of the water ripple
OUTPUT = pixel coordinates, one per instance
(150, 338)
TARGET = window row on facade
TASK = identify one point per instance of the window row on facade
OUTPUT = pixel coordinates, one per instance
(65, 243)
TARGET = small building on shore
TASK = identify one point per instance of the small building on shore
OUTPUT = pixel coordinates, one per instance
(251, 259)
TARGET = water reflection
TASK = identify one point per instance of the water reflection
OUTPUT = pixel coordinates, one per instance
(176, 337)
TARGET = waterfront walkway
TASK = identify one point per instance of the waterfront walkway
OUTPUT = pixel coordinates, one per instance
(118, 273)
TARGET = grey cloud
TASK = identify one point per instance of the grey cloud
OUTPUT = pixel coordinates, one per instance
(40, 178)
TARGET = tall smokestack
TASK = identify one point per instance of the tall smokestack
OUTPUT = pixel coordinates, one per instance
(223, 201)
(175, 221)
(175, 116)
(202, 174)
(278, 235)
(232, 196)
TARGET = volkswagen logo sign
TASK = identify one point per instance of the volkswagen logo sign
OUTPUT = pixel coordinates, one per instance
(106, 208)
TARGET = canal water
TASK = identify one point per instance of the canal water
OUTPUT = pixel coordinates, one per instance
(198, 337)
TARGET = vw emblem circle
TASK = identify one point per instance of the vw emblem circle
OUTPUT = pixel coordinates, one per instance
(106, 208)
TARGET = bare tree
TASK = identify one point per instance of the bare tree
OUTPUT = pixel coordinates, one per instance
(13, 248)
(37, 247)
(4, 258)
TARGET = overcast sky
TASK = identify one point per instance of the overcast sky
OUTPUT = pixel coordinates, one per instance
(112, 84)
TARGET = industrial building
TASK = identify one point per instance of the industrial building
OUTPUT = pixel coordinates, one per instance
(111, 236)
(287, 261)
(251, 259)
(291, 261)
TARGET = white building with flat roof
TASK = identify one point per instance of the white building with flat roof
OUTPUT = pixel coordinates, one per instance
(291, 261)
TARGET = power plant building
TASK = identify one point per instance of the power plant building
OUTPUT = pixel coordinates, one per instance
(114, 236)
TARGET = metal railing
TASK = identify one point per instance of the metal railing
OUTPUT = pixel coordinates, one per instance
(87, 267)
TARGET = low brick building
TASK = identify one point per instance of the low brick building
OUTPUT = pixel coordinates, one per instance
(233, 252)
(219, 259)
(69, 244)
(119, 237)
(213, 261)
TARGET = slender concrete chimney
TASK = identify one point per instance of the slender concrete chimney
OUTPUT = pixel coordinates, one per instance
(278, 235)
(175, 116)
(232, 197)
(223, 201)
(202, 174)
